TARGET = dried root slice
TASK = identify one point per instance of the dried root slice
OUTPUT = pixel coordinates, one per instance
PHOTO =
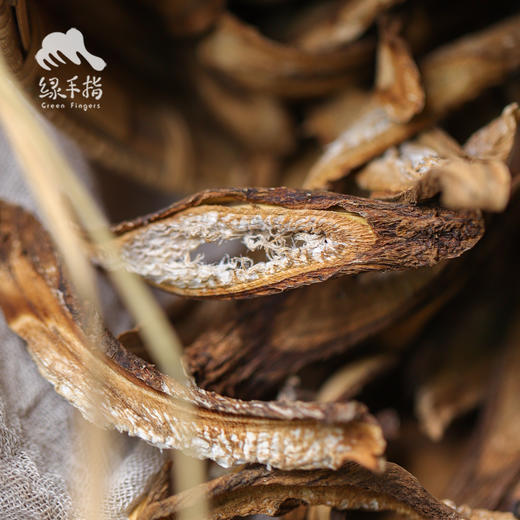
(257, 120)
(267, 340)
(479, 514)
(452, 75)
(304, 238)
(241, 53)
(492, 465)
(344, 22)
(132, 396)
(398, 84)
(434, 163)
(260, 491)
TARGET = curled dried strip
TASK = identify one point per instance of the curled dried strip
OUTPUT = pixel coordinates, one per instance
(452, 75)
(259, 491)
(111, 385)
(348, 381)
(344, 22)
(398, 84)
(240, 52)
(304, 237)
(257, 120)
(434, 163)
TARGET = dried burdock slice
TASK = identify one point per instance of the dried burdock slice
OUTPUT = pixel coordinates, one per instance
(492, 464)
(241, 53)
(398, 84)
(339, 23)
(188, 18)
(479, 514)
(305, 237)
(495, 140)
(434, 163)
(259, 121)
(348, 381)
(10, 44)
(257, 490)
(454, 390)
(452, 75)
(267, 340)
(131, 395)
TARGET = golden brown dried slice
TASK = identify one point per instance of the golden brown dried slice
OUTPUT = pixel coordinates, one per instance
(304, 238)
(338, 23)
(435, 163)
(257, 490)
(241, 53)
(133, 396)
(452, 75)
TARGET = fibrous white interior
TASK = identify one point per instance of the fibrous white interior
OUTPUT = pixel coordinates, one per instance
(167, 252)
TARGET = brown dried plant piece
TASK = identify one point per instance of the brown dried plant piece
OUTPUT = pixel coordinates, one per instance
(492, 463)
(305, 237)
(257, 490)
(267, 340)
(479, 514)
(349, 380)
(435, 163)
(259, 121)
(241, 53)
(398, 84)
(188, 18)
(452, 75)
(111, 385)
(343, 23)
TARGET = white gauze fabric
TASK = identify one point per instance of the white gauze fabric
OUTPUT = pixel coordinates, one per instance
(39, 458)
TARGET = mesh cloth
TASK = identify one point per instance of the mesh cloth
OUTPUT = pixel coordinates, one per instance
(39, 457)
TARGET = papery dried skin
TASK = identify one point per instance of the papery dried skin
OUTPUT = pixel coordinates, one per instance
(259, 491)
(306, 237)
(347, 21)
(452, 75)
(111, 385)
(240, 52)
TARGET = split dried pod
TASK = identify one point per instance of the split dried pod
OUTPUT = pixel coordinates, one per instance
(304, 237)
(133, 396)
